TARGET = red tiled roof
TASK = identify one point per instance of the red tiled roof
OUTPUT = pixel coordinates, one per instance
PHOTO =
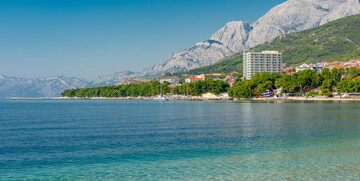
(289, 68)
(195, 78)
(356, 78)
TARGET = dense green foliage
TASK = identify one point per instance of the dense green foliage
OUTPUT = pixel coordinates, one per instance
(255, 86)
(134, 90)
(200, 87)
(336, 41)
(306, 81)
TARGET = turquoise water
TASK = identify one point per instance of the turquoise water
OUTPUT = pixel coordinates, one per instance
(178, 140)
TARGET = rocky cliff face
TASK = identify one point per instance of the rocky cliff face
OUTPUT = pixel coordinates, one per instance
(202, 53)
(297, 15)
(40, 87)
(288, 17)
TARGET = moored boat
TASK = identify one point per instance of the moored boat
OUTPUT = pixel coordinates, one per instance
(160, 98)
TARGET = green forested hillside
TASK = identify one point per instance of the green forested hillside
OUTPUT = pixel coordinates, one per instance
(335, 41)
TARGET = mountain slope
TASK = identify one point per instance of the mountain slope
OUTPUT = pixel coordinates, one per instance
(40, 87)
(110, 79)
(288, 17)
(297, 15)
(335, 41)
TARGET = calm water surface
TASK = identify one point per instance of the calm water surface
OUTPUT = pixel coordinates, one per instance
(178, 140)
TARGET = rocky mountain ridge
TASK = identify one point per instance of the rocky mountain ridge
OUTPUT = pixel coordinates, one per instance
(110, 79)
(38, 87)
(288, 17)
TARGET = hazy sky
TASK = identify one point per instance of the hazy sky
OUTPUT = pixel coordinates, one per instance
(87, 38)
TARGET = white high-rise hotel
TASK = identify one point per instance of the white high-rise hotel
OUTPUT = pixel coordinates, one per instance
(261, 61)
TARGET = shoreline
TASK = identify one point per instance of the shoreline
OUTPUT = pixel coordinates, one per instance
(310, 98)
(199, 98)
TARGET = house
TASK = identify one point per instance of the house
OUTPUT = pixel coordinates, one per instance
(289, 70)
(304, 66)
(230, 79)
(195, 78)
(172, 80)
(231, 82)
(316, 68)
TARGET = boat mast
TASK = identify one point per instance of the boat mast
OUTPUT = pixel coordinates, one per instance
(160, 89)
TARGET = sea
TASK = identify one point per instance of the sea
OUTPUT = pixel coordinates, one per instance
(179, 140)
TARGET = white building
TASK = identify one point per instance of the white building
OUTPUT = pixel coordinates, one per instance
(317, 67)
(195, 78)
(261, 61)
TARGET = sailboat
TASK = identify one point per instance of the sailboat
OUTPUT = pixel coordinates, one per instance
(160, 97)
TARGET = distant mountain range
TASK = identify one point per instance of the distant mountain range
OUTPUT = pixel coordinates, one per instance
(288, 17)
(39, 87)
(110, 79)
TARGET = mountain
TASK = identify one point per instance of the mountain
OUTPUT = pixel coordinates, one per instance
(127, 81)
(335, 41)
(288, 17)
(296, 15)
(110, 79)
(39, 87)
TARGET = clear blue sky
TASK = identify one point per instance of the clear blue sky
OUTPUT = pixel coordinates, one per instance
(87, 38)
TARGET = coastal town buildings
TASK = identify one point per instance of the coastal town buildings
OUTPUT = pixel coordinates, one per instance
(318, 67)
(230, 79)
(348, 64)
(261, 61)
(195, 78)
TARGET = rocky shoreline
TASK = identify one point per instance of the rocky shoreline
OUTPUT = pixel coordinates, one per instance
(181, 97)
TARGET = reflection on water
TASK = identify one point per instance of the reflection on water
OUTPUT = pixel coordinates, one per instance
(178, 140)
